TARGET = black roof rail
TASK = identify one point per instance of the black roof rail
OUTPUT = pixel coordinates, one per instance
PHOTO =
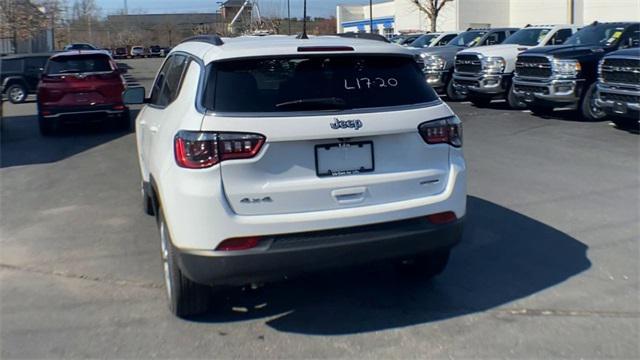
(209, 39)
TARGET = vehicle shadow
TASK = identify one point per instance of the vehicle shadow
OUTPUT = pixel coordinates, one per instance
(504, 256)
(22, 144)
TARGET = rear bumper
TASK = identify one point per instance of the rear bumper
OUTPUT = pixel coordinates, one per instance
(488, 84)
(56, 112)
(622, 101)
(289, 255)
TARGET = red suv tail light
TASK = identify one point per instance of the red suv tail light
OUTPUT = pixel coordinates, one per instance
(199, 150)
(442, 131)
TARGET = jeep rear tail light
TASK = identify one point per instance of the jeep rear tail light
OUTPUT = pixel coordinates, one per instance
(442, 131)
(240, 243)
(199, 150)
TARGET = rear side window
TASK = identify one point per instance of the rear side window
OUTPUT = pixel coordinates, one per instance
(13, 65)
(315, 83)
(78, 64)
(35, 64)
(169, 80)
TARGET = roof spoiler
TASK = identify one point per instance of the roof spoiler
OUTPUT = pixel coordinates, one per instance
(209, 39)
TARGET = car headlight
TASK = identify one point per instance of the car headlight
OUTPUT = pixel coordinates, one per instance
(493, 64)
(566, 67)
(433, 62)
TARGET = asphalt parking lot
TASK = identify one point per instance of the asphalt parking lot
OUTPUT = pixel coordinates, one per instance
(548, 267)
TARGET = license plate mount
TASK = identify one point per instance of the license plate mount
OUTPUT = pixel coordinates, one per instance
(345, 158)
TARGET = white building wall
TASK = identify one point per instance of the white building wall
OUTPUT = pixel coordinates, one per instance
(494, 13)
(539, 12)
(608, 10)
(461, 14)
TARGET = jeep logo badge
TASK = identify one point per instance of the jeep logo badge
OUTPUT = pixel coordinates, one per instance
(346, 124)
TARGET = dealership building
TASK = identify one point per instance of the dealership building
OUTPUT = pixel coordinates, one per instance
(399, 16)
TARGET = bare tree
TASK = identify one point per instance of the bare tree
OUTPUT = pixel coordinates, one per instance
(20, 20)
(432, 8)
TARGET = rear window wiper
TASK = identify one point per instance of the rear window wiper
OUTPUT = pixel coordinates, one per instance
(315, 103)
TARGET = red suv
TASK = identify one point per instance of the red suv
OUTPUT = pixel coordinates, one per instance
(80, 85)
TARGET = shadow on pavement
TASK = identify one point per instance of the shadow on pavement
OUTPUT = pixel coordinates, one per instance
(22, 144)
(504, 256)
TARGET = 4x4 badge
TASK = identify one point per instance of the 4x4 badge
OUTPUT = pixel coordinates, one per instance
(346, 124)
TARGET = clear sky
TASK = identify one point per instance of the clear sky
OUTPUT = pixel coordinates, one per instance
(314, 7)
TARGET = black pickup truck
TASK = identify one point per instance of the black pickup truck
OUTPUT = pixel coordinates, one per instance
(619, 87)
(565, 76)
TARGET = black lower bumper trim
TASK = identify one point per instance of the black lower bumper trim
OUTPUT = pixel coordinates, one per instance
(294, 254)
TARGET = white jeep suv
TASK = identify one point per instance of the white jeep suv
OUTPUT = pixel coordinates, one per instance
(266, 157)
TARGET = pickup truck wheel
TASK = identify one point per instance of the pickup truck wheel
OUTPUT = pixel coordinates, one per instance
(17, 93)
(588, 109)
(514, 102)
(480, 101)
(425, 266)
(452, 94)
(186, 298)
(46, 126)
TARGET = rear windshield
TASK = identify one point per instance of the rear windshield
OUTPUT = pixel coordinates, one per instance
(78, 64)
(315, 83)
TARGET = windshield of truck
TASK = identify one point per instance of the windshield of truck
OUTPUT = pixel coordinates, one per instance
(424, 40)
(313, 83)
(601, 34)
(78, 64)
(468, 38)
(528, 37)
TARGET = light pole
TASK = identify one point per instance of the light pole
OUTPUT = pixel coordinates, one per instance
(289, 15)
(371, 16)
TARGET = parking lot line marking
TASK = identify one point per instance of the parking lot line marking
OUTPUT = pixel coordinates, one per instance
(526, 111)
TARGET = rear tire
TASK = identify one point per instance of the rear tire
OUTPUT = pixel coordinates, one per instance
(588, 109)
(480, 101)
(452, 94)
(513, 100)
(186, 298)
(425, 266)
(147, 202)
(124, 121)
(46, 126)
(17, 93)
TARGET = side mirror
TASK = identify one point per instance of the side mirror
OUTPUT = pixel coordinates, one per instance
(134, 95)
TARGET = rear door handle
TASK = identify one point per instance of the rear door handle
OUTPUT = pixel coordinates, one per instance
(154, 129)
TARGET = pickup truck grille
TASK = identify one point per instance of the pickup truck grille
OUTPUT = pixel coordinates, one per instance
(533, 66)
(468, 64)
(621, 71)
(620, 98)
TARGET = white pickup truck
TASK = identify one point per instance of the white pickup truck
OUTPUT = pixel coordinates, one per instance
(484, 73)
